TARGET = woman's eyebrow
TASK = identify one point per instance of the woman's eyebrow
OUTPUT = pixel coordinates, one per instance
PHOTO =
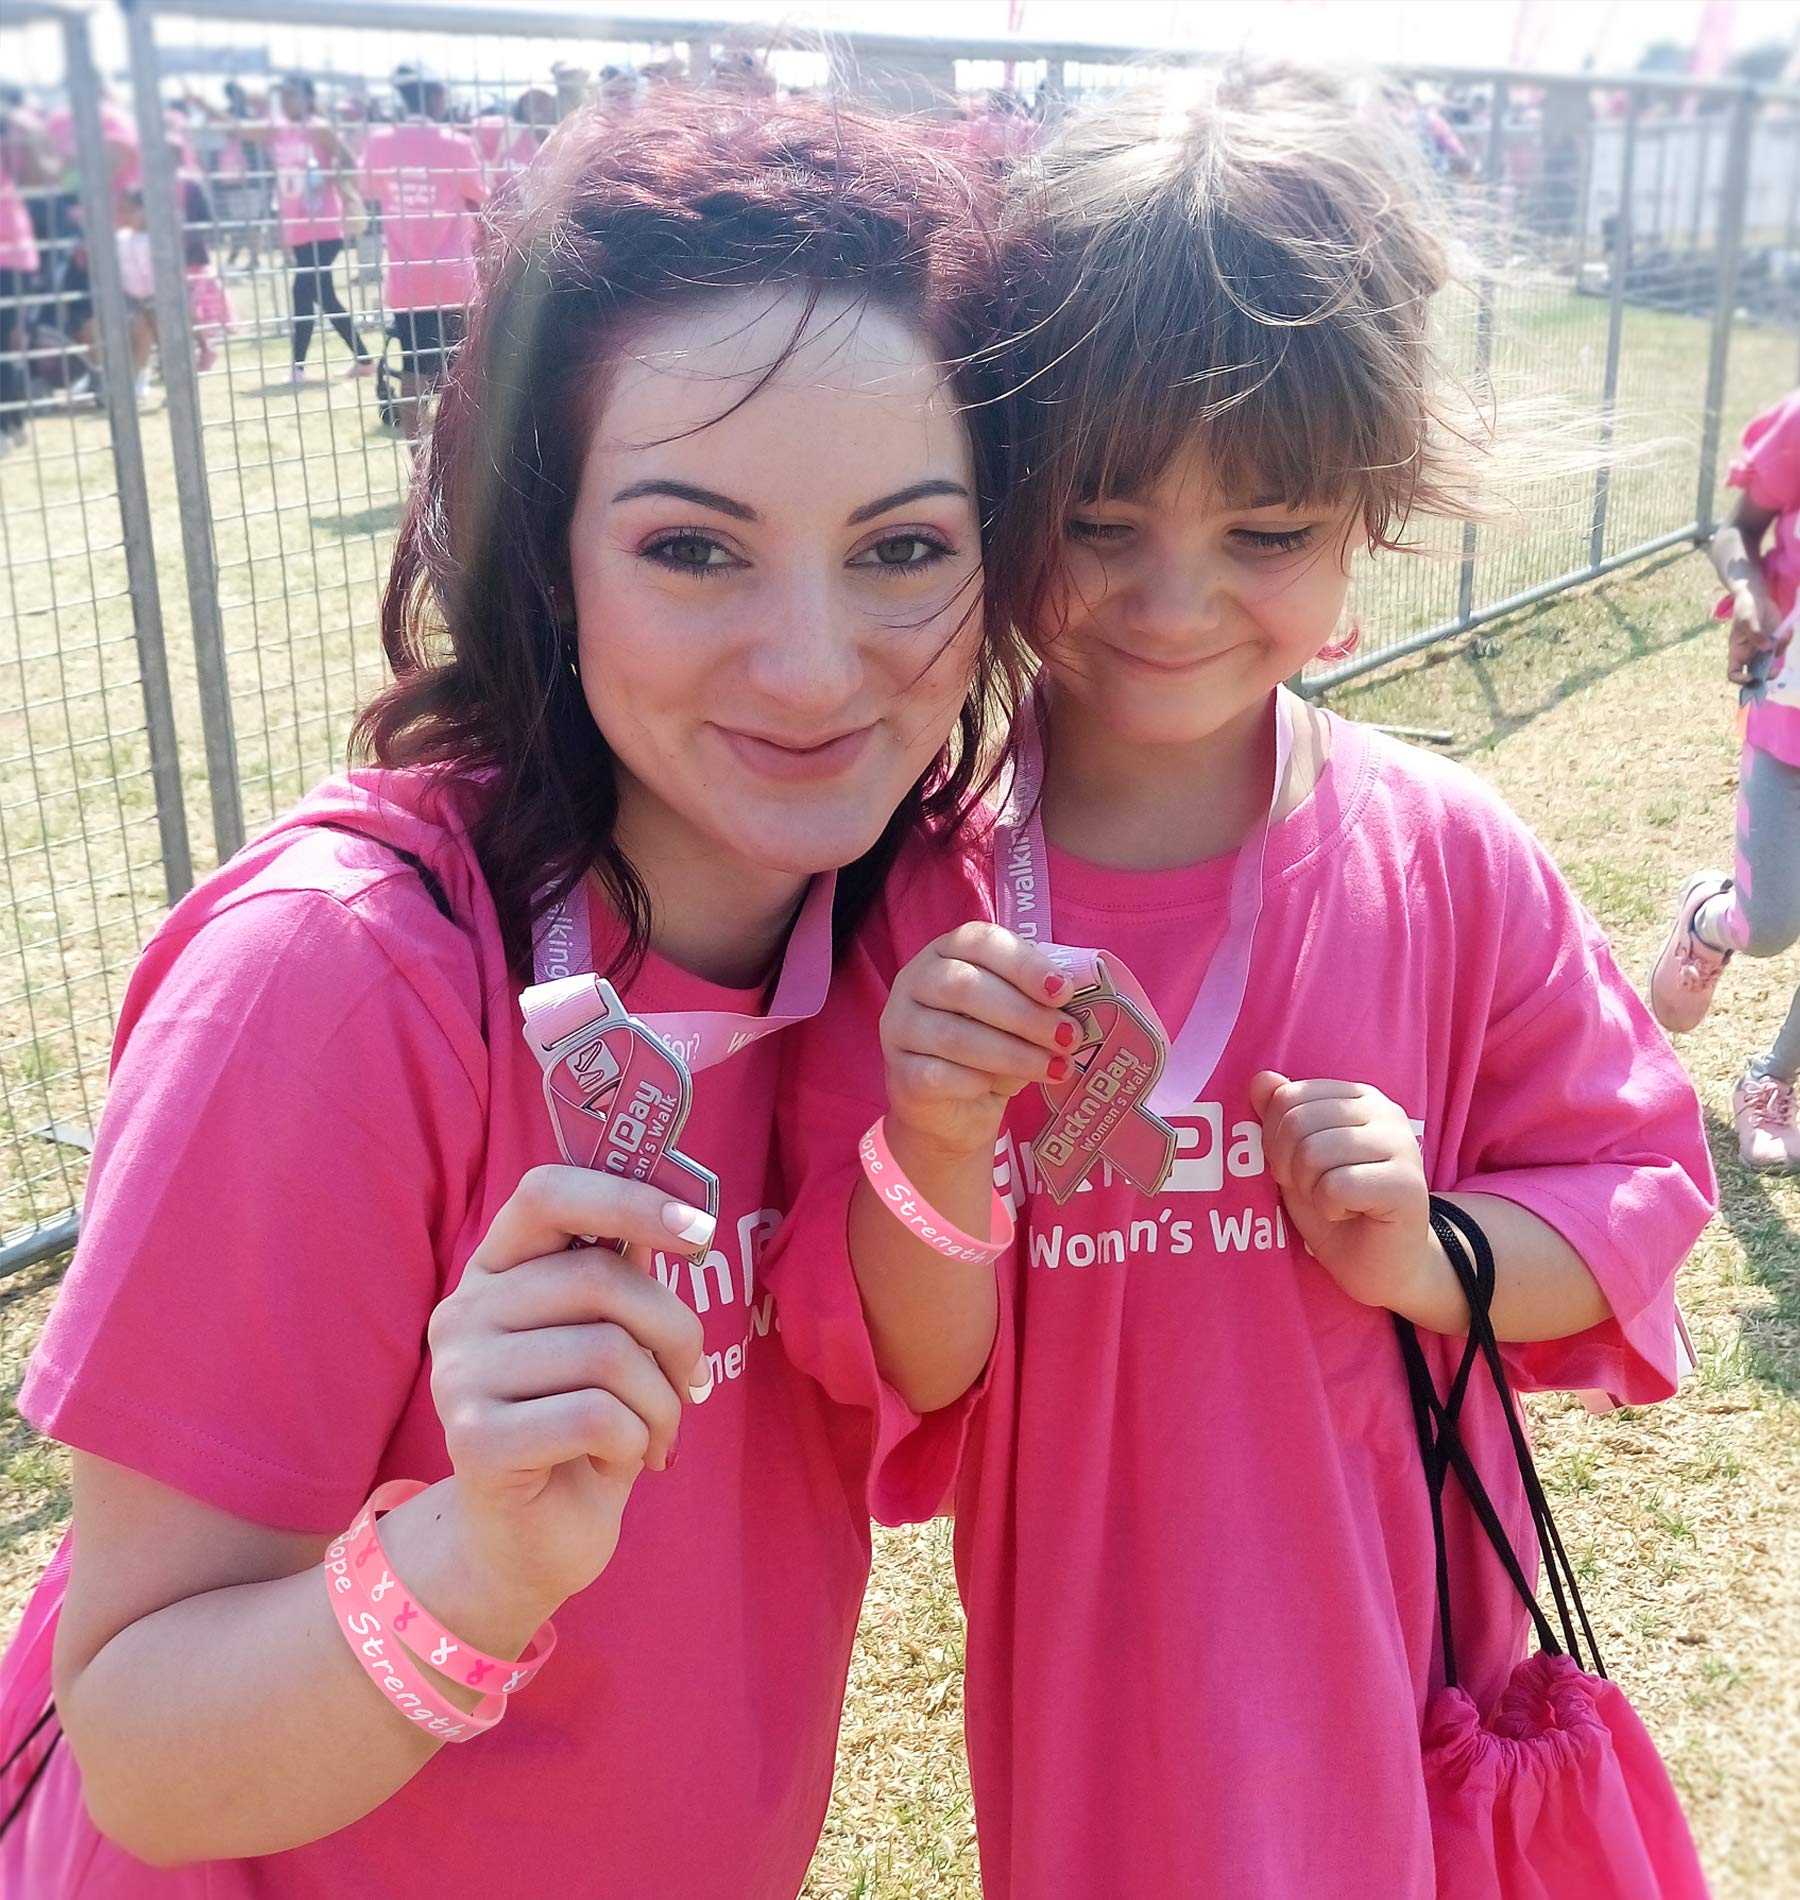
(900, 497)
(686, 491)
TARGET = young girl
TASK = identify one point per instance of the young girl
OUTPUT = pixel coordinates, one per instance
(686, 603)
(1192, 1532)
(1757, 554)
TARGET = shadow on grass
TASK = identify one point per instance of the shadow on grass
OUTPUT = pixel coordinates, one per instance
(1771, 1244)
(1500, 660)
(379, 520)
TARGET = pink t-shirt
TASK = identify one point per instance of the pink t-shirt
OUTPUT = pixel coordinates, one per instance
(1192, 1534)
(1767, 469)
(321, 1098)
(427, 180)
(309, 204)
(118, 128)
(18, 241)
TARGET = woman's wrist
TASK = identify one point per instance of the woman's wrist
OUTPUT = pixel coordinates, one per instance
(433, 1548)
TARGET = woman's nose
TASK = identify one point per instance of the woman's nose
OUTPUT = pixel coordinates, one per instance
(805, 652)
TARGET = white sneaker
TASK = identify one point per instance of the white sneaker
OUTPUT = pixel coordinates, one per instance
(1762, 1110)
(297, 375)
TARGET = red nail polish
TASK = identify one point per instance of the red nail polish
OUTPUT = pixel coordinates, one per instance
(1065, 1035)
(1059, 1068)
(1054, 985)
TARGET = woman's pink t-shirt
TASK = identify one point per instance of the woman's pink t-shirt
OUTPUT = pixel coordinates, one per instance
(321, 1098)
(1192, 1535)
(1767, 469)
(308, 202)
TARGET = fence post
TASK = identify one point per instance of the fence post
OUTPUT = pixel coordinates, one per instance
(1494, 165)
(1615, 324)
(1731, 238)
(163, 215)
(127, 454)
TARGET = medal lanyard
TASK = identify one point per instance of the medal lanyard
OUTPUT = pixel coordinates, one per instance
(1130, 1072)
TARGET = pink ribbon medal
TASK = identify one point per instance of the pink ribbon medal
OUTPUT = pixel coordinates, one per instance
(1127, 1072)
(619, 1086)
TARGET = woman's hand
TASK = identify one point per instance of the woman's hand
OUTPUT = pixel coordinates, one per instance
(559, 1375)
(969, 1022)
(1352, 1179)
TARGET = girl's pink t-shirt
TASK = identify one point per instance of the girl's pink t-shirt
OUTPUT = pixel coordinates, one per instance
(321, 1098)
(1192, 1535)
(309, 204)
(1767, 469)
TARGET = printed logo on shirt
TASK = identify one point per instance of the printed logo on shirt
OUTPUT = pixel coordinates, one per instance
(1210, 1157)
(718, 1284)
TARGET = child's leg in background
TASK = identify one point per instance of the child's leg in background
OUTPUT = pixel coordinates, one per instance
(1760, 915)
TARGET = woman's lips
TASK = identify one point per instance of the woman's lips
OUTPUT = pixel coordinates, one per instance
(796, 762)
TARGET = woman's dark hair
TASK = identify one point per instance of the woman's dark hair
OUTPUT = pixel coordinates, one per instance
(620, 219)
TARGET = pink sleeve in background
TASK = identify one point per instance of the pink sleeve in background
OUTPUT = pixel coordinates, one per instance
(1767, 466)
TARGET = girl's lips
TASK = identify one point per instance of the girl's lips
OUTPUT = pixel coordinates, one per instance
(1167, 669)
(797, 764)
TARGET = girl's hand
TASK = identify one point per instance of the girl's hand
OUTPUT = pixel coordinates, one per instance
(559, 1375)
(1754, 624)
(1352, 1180)
(969, 1022)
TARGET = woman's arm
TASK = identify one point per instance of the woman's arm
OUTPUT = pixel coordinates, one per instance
(1736, 550)
(204, 1686)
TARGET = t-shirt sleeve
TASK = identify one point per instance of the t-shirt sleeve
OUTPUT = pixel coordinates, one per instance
(1581, 1113)
(288, 1148)
(832, 1092)
(1767, 465)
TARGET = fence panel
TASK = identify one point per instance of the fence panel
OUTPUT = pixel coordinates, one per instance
(93, 838)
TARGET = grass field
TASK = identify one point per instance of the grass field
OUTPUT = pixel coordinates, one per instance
(1603, 717)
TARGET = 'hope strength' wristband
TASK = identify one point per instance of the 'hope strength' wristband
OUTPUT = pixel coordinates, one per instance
(382, 1623)
(917, 1215)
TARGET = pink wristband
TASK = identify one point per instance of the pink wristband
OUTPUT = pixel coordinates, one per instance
(416, 1627)
(917, 1215)
(374, 1645)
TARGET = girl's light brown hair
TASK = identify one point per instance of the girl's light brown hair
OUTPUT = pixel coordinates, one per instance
(1239, 266)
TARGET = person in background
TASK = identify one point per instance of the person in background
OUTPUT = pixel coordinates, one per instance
(1756, 910)
(507, 142)
(310, 160)
(426, 179)
(73, 289)
(138, 278)
(24, 166)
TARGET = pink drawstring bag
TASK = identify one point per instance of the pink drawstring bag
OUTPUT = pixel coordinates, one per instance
(1559, 1793)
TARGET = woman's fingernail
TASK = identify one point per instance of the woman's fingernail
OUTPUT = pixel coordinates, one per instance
(1066, 1033)
(692, 1224)
(669, 1457)
(1059, 1068)
(1055, 985)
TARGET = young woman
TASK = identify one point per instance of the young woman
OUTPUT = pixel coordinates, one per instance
(1192, 1529)
(686, 610)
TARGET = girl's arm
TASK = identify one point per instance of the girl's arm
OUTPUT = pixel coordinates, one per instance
(1352, 1179)
(212, 1702)
(967, 1025)
(1736, 550)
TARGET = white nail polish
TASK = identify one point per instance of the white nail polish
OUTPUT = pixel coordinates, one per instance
(691, 1224)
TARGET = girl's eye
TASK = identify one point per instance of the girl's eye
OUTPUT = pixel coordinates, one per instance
(1275, 540)
(691, 554)
(1099, 533)
(902, 553)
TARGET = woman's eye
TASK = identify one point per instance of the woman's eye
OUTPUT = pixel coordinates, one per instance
(690, 553)
(902, 553)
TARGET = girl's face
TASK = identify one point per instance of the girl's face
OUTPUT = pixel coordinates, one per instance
(777, 588)
(1181, 608)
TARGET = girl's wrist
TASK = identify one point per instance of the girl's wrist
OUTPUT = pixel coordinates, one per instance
(1428, 1292)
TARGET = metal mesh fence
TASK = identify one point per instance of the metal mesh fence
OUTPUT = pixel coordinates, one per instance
(293, 190)
(93, 842)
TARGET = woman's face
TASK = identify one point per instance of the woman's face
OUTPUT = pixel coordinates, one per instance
(1182, 608)
(777, 588)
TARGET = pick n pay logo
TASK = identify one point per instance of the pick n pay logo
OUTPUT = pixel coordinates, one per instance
(1199, 1149)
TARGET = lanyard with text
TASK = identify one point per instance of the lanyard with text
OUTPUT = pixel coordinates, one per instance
(619, 1086)
(1128, 1071)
